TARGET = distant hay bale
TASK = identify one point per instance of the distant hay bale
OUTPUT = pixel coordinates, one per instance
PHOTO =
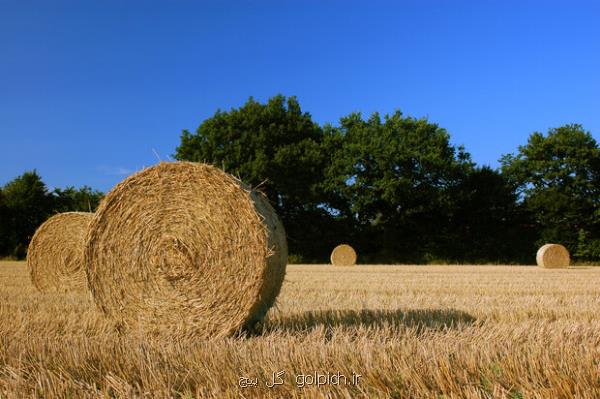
(55, 254)
(343, 255)
(553, 256)
(185, 249)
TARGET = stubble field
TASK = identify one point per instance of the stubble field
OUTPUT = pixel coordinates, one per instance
(365, 331)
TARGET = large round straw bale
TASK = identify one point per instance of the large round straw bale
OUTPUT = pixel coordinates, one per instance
(185, 249)
(553, 256)
(55, 253)
(343, 255)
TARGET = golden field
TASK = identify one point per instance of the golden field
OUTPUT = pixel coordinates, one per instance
(408, 331)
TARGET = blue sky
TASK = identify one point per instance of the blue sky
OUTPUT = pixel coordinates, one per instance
(90, 90)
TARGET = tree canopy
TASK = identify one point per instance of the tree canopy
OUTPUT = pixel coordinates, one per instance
(393, 186)
(557, 176)
(410, 194)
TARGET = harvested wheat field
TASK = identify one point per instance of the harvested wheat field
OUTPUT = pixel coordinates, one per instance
(408, 331)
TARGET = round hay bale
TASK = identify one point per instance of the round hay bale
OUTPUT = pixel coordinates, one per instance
(55, 253)
(185, 249)
(553, 256)
(343, 255)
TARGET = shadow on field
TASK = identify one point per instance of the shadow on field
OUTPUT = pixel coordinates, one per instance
(421, 319)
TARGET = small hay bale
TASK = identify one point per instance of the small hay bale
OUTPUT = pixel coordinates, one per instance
(343, 255)
(185, 249)
(55, 253)
(553, 256)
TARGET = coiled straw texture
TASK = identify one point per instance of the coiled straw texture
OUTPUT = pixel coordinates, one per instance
(553, 256)
(185, 249)
(343, 255)
(55, 253)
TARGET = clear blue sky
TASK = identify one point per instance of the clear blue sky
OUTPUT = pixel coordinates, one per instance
(89, 89)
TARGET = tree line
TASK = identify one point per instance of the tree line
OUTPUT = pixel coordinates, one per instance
(392, 186)
(396, 189)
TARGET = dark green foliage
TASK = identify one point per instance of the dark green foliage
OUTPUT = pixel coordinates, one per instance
(558, 179)
(487, 223)
(393, 176)
(25, 203)
(411, 195)
(81, 200)
(5, 228)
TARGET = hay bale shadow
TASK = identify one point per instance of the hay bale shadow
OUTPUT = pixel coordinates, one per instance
(419, 319)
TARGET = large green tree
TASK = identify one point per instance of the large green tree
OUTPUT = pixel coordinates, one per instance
(393, 180)
(558, 180)
(278, 148)
(27, 203)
